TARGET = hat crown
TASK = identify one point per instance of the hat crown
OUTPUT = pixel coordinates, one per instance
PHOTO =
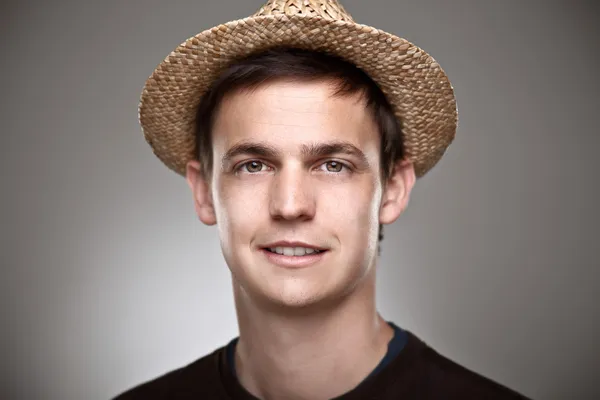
(326, 9)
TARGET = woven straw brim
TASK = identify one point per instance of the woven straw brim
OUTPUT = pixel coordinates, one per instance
(417, 88)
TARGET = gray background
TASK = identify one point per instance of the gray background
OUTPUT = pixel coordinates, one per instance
(108, 279)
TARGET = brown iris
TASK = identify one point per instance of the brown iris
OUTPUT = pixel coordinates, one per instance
(334, 166)
(254, 166)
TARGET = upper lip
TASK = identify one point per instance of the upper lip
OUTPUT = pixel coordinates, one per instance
(285, 243)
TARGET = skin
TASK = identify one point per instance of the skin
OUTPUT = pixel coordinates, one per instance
(305, 333)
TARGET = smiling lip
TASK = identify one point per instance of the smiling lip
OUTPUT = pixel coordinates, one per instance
(304, 261)
(292, 244)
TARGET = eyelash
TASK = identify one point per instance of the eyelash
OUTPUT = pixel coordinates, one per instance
(344, 166)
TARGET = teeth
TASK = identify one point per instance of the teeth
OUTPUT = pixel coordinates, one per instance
(293, 251)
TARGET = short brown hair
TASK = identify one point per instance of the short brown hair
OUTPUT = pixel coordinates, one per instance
(299, 65)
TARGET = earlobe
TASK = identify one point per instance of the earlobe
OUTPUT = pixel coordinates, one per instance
(201, 193)
(397, 192)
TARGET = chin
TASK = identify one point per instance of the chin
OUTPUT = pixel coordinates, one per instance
(301, 294)
(293, 292)
(300, 289)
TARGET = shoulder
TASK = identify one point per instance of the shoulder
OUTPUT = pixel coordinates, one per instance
(200, 378)
(457, 381)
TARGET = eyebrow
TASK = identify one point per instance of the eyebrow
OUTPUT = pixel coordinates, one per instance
(312, 150)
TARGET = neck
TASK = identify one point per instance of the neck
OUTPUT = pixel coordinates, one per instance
(310, 354)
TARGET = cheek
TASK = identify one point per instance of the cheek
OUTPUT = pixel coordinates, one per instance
(350, 210)
(353, 208)
(238, 211)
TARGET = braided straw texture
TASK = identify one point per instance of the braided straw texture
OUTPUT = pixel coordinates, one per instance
(417, 88)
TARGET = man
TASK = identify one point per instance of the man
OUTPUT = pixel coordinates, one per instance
(301, 133)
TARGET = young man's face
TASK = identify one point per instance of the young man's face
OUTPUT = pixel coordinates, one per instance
(295, 167)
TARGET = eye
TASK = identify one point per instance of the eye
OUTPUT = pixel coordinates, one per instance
(334, 166)
(252, 167)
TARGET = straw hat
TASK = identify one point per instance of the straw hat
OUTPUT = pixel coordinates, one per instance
(417, 88)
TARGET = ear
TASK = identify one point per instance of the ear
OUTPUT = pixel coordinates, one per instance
(397, 191)
(200, 187)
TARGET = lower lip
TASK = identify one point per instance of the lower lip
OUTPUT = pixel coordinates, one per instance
(294, 261)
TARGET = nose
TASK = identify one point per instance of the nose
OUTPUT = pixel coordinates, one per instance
(291, 195)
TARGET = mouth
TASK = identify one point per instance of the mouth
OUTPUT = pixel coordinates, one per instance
(297, 251)
(293, 257)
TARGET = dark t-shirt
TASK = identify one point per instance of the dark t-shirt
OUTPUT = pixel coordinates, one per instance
(395, 346)
(410, 370)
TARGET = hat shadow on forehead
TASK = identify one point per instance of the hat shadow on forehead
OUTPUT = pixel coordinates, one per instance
(416, 87)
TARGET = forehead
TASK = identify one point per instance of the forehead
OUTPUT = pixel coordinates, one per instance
(291, 113)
